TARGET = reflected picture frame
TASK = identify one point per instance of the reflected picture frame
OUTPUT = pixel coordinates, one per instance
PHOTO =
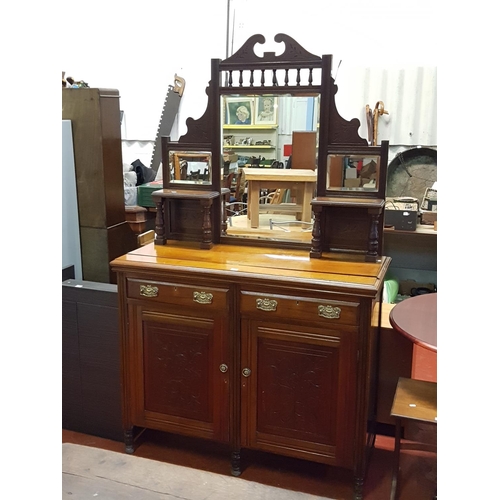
(239, 111)
(266, 110)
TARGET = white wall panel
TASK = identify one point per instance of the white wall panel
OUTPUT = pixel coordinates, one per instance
(138, 48)
(71, 253)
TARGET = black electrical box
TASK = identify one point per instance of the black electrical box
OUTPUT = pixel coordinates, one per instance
(402, 220)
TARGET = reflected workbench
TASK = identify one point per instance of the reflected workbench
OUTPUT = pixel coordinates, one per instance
(303, 180)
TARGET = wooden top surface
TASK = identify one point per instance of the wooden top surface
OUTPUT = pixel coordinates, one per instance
(415, 399)
(384, 317)
(194, 194)
(416, 318)
(280, 174)
(339, 272)
(349, 201)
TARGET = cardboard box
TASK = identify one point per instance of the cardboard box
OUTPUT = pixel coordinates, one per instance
(230, 157)
(406, 286)
(428, 217)
(335, 171)
(351, 183)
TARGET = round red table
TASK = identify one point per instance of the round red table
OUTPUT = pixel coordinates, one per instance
(416, 319)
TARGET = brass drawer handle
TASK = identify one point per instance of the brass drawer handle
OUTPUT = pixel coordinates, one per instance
(329, 312)
(267, 304)
(246, 372)
(149, 291)
(203, 297)
(223, 368)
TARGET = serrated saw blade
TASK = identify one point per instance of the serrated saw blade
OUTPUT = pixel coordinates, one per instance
(169, 112)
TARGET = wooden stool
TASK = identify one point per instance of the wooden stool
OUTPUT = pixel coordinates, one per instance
(136, 218)
(413, 400)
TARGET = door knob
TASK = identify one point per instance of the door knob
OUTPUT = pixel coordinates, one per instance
(223, 368)
(246, 372)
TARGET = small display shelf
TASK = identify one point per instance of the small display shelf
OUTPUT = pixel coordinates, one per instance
(252, 139)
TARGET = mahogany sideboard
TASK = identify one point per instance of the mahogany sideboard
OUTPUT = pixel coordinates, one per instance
(259, 348)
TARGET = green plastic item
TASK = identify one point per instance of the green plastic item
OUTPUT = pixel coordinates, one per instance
(391, 288)
(144, 193)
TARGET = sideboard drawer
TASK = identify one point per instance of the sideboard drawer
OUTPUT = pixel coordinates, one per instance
(175, 293)
(299, 308)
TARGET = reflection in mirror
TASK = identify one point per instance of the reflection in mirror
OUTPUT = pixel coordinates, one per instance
(352, 172)
(188, 167)
(264, 144)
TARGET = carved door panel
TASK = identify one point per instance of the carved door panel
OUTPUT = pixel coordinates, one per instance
(298, 397)
(181, 379)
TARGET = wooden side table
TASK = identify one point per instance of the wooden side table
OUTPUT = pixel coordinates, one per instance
(413, 400)
(416, 319)
(136, 218)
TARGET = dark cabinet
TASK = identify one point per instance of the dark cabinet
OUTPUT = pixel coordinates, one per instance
(104, 232)
(90, 359)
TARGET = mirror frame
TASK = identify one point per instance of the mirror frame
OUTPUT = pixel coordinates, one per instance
(381, 152)
(228, 77)
(169, 147)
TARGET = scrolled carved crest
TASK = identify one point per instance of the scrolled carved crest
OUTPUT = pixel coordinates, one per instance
(293, 51)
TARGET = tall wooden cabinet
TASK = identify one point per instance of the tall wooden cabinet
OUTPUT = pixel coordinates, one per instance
(262, 349)
(104, 231)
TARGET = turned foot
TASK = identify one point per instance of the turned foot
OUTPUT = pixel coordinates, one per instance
(235, 463)
(129, 441)
(358, 488)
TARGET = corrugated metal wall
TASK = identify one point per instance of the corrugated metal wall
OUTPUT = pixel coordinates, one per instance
(374, 66)
(409, 95)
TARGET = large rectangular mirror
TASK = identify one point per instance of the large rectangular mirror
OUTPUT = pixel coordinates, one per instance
(259, 146)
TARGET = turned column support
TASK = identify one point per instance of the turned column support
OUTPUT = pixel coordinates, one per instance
(160, 238)
(225, 199)
(373, 238)
(206, 227)
(316, 249)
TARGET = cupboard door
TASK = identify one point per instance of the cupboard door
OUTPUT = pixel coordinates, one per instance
(298, 390)
(181, 377)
